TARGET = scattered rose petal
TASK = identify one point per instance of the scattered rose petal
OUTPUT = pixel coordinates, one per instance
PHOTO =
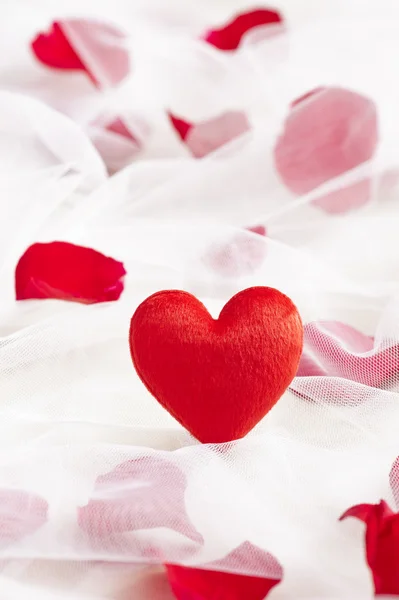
(334, 349)
(328, 132)
(116, 143)
(95, 47)
(145, 493)
(54, 50)
(118, 126)
(229, 36)
(346, 198)
(240, 256)
(203, 138)
(21, 514)
(259, 229)
(382, 543)
(63, 271)
(181, 127)
(221, 580)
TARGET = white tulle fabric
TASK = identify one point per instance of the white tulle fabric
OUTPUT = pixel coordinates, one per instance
(72, 408)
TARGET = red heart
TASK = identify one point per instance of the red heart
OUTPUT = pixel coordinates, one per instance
(217, 377)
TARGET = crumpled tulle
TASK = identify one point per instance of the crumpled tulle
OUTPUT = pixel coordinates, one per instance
(110, 488)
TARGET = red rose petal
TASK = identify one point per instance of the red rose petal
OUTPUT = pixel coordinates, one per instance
(182, 127)
(63, 271)
(334, 131)
(239, 257)
(229, 36)
(382, 543)
(145, 493)
(21, 514)
(94, 47)
(212, 583)
(54, 50)
(206, 137)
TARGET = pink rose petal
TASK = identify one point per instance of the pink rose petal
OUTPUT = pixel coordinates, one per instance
(206, 137)
(328, 132)
(145, 493)
(118, 126)
(346, 198)
(116, 143)
(21, 514)
(259, 229)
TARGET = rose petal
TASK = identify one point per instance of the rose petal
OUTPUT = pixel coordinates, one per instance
(95, 47)
(212, 582)
(307, 96)
(63, 271)
(382, 543)
(118, 126)
(181, 127)
(337, 350)
(328, 132)
(115, 142)
(145, 493)
(346, 198)
(229, 36)
(259, 229)
(241, 256)
(366, 512)
(21, 514)
(54, 50)
(206, 137)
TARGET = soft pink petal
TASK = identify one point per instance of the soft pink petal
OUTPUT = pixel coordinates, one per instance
(144, 493)
(208, 136)
(21, 514)
(116, 142)
(328, 132)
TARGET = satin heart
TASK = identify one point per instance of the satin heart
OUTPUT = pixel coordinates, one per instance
(217, 377)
